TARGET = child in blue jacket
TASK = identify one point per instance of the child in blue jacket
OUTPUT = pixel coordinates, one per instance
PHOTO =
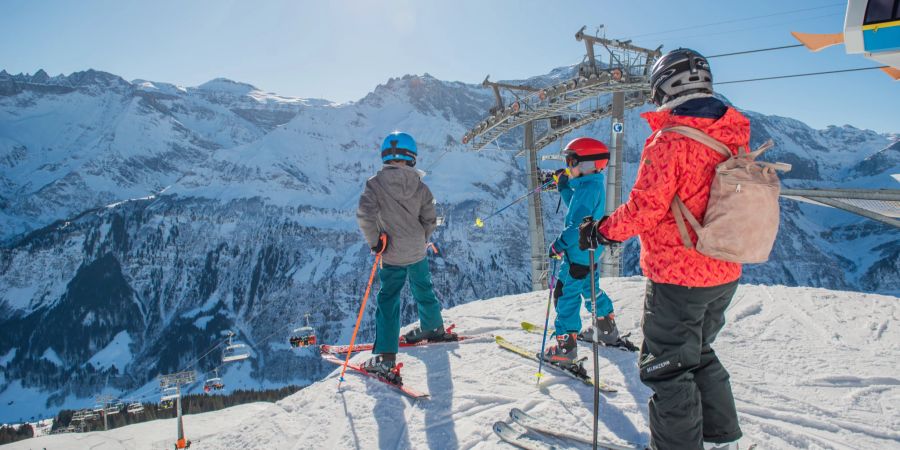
(582, 190)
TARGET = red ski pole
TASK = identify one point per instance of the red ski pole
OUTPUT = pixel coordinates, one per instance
(362, 308)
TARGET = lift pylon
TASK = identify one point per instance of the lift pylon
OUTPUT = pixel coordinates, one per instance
(558, 110)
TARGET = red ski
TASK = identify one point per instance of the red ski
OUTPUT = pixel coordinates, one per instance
(343, 349)
(411, 393)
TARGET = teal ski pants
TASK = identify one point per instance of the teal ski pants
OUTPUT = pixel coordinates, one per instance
(570, 293)
(387, 312)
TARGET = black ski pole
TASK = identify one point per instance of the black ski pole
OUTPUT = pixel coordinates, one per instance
(596, 339)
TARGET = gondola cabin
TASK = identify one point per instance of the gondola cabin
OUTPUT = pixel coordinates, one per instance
(871, 27)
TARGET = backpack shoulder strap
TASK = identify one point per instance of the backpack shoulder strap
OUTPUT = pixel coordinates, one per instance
(700, 137)
(681, 212)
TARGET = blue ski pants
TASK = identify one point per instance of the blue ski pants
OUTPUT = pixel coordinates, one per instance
(387, 312)
(570, 293)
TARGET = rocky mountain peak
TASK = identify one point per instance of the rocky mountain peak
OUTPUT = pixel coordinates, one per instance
(227, 86)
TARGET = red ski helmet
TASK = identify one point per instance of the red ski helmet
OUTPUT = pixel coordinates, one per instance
(585, 150)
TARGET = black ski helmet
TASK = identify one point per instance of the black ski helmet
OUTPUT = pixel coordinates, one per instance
(680, 72)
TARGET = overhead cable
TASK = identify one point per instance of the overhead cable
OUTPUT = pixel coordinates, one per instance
(755, 51)
(723, 22)
(800, 75)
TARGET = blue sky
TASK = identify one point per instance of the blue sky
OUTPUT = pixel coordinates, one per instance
(340, 50)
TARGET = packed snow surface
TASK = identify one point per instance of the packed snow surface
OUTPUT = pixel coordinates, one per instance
(811, 368)
(156, 434)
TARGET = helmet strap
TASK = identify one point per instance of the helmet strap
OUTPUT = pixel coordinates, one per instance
(398, 151)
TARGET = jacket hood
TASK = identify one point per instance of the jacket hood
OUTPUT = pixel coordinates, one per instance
(732, 129)
(401, 182)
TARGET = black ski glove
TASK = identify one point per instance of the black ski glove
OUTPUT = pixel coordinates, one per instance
(382, 244)
(589, 235)
(562, 179)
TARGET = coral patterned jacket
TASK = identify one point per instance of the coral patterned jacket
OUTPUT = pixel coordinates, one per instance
(676, 164)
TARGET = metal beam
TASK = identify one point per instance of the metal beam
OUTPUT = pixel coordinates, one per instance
(493, 130)
(535, 215)
(891, 195)
(856, 210)
(591, 117)
(611, 261)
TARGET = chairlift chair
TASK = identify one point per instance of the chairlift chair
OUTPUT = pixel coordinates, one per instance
(135, 407)
(113, 408)
(234, 351)
(170, 394)
(167, 401)
(304, 336)
(441, 217)
(214, 384)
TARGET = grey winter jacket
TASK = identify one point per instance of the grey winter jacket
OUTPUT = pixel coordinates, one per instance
(397, 202)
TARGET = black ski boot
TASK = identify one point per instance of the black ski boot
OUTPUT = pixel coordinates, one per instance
(609, 334)
(436, 335)
(384, 366)
(564, 353)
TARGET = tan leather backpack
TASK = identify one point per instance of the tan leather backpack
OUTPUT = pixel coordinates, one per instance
(742, 215)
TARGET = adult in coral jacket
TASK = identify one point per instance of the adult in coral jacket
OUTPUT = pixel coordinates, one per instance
(687, 293)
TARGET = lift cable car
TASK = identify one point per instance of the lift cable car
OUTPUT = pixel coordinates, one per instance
(304, 336)
(214, 384)
(871, 27)
(234, 351)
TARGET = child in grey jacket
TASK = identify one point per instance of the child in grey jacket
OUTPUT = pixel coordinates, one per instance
(398, 204)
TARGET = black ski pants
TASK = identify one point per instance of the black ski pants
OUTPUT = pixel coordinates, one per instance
(692, 400)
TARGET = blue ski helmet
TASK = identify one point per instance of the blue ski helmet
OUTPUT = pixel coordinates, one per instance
(399, 145)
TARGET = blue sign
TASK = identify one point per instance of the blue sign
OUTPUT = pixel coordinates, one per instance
(618, 127)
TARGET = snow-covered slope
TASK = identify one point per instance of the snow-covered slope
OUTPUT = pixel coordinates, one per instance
(811, 368)
(157, 434)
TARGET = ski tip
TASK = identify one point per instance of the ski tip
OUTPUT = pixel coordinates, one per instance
(501, 427)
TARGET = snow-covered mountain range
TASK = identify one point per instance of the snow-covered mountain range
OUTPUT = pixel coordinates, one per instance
(141, 219)
(810, 368)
